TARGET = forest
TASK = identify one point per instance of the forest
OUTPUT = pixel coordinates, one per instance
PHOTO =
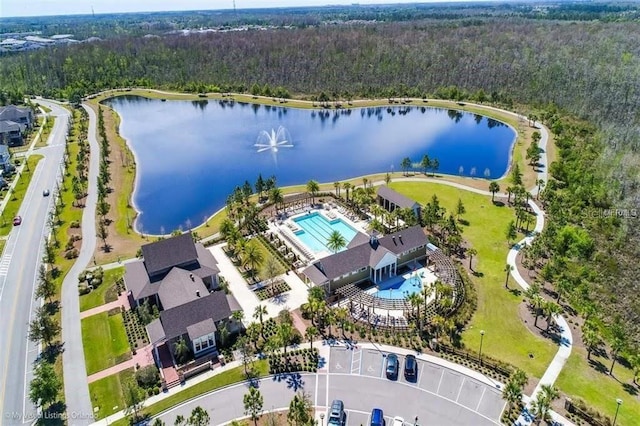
(571, 61)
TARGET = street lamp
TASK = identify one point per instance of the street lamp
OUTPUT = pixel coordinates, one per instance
(619, 402)
(321, 419)
(416, 421)
(480, 352)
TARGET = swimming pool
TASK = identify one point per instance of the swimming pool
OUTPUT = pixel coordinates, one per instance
(315, 231)
(396, 287)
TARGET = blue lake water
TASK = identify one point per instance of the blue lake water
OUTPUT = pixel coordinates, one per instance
(191, 154)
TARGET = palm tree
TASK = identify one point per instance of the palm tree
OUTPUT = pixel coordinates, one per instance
(253, 257)
(341, 316)
(537, 302)
(365, 182)
(285, 333)
(551, 309)
(493, 188)
(618, 343)
(336, 241)
(508, 268)
(425, 163)
(471, 252)
(512, 393)
(415, 301)
(346, 186)
(310, 334)
(181, 351)
(387, 178)
(590, 338)
(435, 164)
(540, 183)
(313, 187)
(259, 314)
(336, 186)
(275, 196)
(405, 165)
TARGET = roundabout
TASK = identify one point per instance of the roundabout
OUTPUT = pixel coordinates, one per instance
(443, 393)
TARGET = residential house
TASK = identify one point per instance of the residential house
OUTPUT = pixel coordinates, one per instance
(180, 277)
(5, 161)
(14, 121)
(368, 258)
(391, 200)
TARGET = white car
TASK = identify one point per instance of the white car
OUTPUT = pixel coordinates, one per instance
(398, 421)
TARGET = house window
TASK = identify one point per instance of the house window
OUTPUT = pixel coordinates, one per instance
(363, 269)
(198, 346)
(211, 341)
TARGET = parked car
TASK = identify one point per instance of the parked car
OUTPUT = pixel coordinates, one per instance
(377, 417)
(17, 220)
(398, 421)
(45, 193)
(410, 368)
(392, 366)
(336, 413)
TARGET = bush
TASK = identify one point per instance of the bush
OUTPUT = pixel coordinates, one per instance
(74, 224)
(83, 289)
(71, 254)
(148, 377)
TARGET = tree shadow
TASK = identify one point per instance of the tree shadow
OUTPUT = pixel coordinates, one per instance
(50, 353)
(598, 366)
(54, 415)
(478, 274)
(106, 248)
(515, 291)
(498, 203)
(463, 222)
(630, 389)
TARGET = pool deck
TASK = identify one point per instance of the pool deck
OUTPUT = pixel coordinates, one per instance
(288, 228)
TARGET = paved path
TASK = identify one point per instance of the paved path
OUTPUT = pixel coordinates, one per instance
(247, 298)
(76, 389)
(122, 302)
(142, 358)
(566, 339)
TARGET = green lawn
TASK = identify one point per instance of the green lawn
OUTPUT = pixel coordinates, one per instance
(105, 341)
(235, 375)
(506, 338)
(15, 200)
(105, 293)
(579, 380)
(106, 394)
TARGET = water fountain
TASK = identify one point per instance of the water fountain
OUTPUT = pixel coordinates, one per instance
(274, 140)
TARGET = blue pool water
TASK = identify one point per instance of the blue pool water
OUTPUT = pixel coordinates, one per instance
(316, 230)
(396, 287)
(191, 155)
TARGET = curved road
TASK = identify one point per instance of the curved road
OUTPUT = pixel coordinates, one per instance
(18, 272)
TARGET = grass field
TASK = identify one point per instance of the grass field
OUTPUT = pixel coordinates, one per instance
(235, 375)
(106, 394)
(16, 197)
(105, 293)
(506, 338)
(105, 341)
(579, 380)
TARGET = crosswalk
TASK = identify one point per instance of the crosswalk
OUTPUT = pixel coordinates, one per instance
(4, 264)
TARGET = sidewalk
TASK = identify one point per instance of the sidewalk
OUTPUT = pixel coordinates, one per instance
(142, 358)
(123, 301)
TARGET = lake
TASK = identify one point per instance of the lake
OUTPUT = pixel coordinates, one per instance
(191, 154)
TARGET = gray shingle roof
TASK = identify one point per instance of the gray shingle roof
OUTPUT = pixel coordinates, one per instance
(136, 278)
(212, 306)
(395, 197)
(180, 287)
(155, 331)
(9, 126)
(164, 254)
(365, 254)
(201, 328)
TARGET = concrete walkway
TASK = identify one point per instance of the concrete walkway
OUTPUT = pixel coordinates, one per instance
(142, 358)
(122, 302)
(248, 300)
(566, 339)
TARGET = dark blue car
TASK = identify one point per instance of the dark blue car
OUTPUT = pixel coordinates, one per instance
(392, 366)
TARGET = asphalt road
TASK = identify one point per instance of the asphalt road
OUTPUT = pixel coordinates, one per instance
(439, 396)
(18, 272)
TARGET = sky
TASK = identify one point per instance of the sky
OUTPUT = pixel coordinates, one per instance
(10, 8)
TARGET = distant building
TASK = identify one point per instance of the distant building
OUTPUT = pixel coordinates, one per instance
(5, 161)
(368, 258)
(14, 121)
(391, 200)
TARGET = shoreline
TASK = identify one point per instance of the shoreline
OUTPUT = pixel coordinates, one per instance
(413, 103)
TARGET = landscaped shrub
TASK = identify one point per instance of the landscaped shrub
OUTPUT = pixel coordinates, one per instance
(74, 224)
(148, 377)
(71, 254)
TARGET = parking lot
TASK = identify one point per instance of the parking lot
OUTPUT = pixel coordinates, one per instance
(465, 399)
